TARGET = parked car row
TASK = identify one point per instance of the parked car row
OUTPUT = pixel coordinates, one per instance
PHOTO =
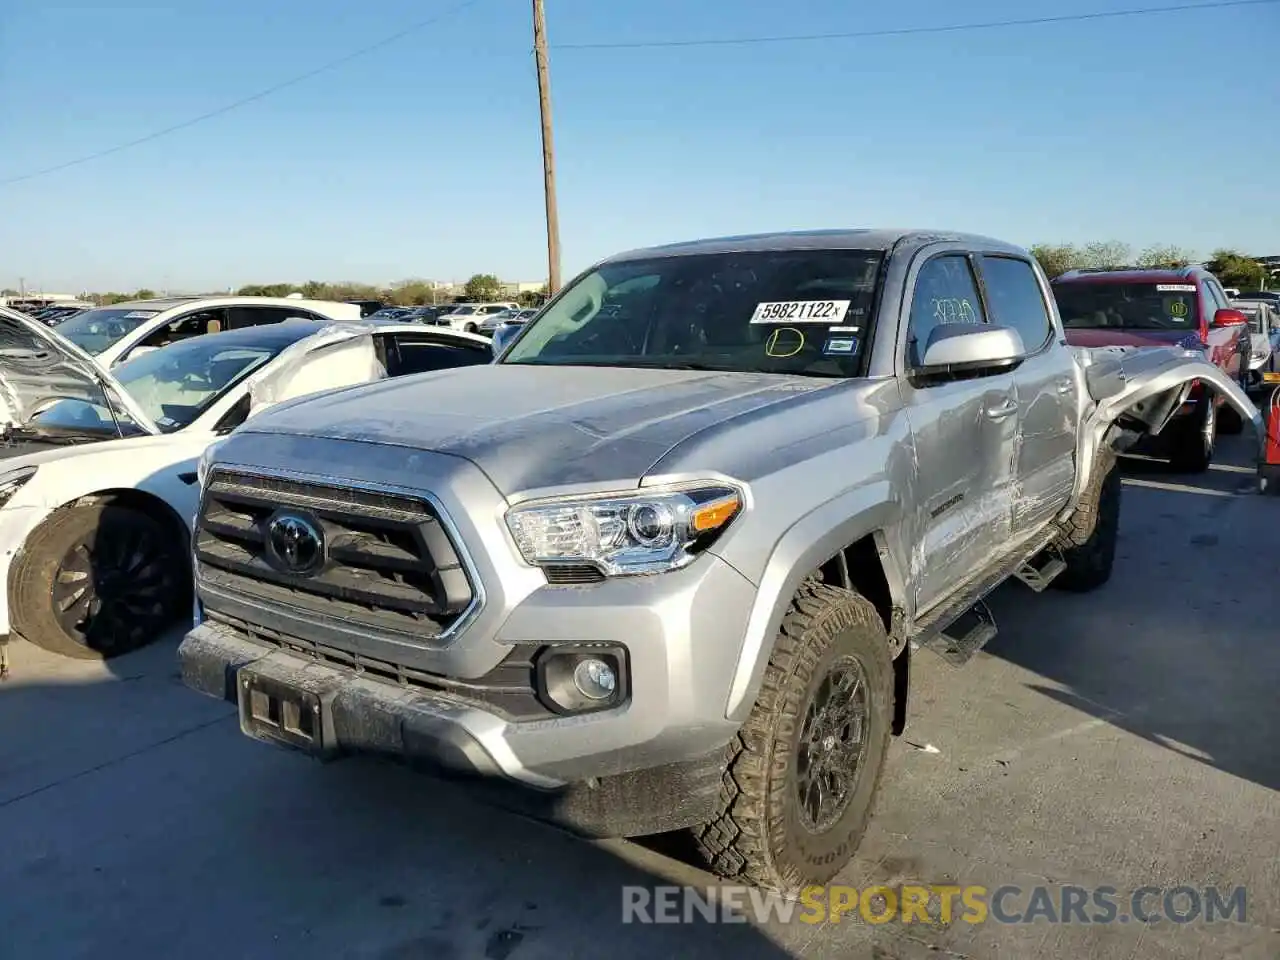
(657, 557)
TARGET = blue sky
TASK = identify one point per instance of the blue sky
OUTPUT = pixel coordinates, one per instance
(423, 159)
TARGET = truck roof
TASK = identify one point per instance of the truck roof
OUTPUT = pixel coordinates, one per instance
(840, 239)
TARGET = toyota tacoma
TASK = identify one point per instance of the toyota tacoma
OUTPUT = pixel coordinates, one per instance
(665, 562)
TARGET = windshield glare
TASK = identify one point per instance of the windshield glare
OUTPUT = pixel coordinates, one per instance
(97, 330)
(1129, 306)
(787, 311)
(172, 386)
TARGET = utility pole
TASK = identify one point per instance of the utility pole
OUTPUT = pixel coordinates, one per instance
(548, 147)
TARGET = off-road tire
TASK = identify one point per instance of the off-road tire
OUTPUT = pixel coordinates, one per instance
(756, 835)
(31, 607)
(1190, 451)
(1092, 532)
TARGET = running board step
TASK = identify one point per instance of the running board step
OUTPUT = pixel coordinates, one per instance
(965, 635)
(1039, 577)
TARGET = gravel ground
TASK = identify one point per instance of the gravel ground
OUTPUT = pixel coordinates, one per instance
(1123, 739)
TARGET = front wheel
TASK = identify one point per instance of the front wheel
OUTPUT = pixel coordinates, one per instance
(99, 580)
(803, 772)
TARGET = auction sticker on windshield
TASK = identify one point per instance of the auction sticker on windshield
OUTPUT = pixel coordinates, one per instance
(801, 311)
(140, 314)
(1175, 288)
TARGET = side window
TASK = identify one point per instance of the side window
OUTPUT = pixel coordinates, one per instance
(945, 293)
(242, 317)
(406, 354)
(185, 327)
(1016, 300)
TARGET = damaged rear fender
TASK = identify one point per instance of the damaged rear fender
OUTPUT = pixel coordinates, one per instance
(1141, 390)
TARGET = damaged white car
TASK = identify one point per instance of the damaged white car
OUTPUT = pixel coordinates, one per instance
(98, 483)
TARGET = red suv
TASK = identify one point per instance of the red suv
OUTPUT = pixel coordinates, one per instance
(1132, 307)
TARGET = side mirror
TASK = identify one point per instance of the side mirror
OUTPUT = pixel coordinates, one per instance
(1230, 318)
(955, 347)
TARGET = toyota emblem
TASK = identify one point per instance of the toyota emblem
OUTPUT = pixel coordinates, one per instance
(295, 543)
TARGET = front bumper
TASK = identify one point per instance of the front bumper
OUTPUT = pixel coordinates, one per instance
(356, 714)
(16, 524)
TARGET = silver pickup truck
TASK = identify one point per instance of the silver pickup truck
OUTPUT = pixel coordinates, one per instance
(664, 564)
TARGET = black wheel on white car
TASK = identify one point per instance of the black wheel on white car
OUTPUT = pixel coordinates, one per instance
(1193, 439)
(802, 774)
(470, 328)
(1090, 559)
(98, 580)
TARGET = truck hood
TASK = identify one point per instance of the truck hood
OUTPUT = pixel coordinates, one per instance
(532, 427)
(58, 369)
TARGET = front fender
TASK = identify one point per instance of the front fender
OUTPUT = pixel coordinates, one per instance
(811, 541)
(1146, 380)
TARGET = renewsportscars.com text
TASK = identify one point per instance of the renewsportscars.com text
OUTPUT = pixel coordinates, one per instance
(936, 904)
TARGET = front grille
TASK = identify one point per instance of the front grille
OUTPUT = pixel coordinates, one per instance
(390, 566)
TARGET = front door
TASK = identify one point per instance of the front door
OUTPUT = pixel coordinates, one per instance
(964, 432)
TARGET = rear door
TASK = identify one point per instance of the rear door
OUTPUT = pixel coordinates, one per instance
(1044, 467)
(964, 432)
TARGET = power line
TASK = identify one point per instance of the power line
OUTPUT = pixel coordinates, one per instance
(252, 98)
(909, 31)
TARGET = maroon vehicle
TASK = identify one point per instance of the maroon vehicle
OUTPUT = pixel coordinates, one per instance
(1131, 308)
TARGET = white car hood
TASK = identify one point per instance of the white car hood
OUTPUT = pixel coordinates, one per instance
(59, 370)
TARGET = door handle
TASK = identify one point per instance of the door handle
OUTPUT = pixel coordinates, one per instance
(1005, 409)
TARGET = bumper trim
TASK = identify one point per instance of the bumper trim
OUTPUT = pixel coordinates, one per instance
(428, 731)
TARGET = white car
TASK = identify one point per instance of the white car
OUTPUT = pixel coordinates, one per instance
(116, 333)
(1264, 341)
(472, 317)
(98, 476)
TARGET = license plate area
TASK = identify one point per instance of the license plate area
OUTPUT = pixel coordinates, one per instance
(282, 713)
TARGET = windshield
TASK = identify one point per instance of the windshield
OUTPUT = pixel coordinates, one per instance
(96, 330)
(785, 311)
(1130, 306)
(462, 311)
(173, 386)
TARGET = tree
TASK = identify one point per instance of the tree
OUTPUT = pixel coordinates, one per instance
(483, 286)
(1056, 259)
(145, 294)
(1165, 256)
(1234, 269)
(1105, 255)
(532, 298)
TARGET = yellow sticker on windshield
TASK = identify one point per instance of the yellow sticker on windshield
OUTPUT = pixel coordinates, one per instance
(784, 342)
(1178, 308)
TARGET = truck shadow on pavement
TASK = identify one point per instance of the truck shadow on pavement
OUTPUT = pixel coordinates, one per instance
(138, 800)
(1180, 647)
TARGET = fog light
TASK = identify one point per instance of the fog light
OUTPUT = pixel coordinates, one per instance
(581, 678)
(595, 679)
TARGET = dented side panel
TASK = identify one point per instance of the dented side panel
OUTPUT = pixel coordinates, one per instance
(1141, 389)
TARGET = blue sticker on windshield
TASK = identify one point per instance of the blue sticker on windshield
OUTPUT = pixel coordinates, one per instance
(841, 345)
(166, 422)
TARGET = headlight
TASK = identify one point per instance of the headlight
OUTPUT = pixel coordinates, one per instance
(13, 481)
(206, 461)
(621, 534)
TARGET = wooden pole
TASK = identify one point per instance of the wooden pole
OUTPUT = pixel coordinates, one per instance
(548, 147)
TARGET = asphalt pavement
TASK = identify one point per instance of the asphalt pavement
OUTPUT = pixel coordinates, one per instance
(1122, 739)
